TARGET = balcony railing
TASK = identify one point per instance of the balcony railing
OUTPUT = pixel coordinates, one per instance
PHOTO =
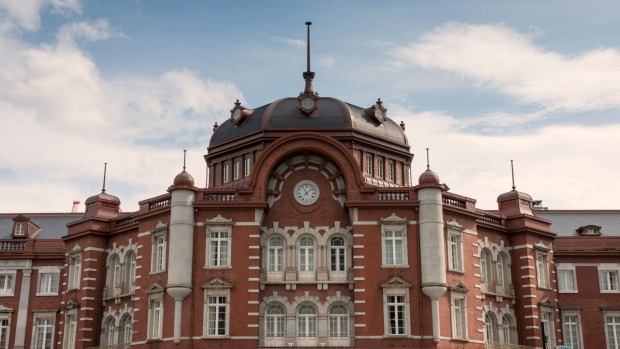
(118, 291)
(12, 246)
(491, 220)
(450, 201)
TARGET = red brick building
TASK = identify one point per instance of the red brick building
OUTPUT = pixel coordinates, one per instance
(310, 233)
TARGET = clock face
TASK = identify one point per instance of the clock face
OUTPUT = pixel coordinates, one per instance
(236, 114)
(306, 192)
(379, 114)
(307, 103)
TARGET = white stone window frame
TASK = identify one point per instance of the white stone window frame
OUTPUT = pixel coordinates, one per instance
(394, 223)
(76, 264)
(114, 269)
(462, 296)
(218, 224)
(20, 229)
(216, 288)
(159, 238)
(613, 268)
(236, 169)
(156, 293)
(606, 314)
(309, 274)
(5, 314)
(11, 275)
(454, 230)
(567, 267)
(543, 277)
(70, 331)
(247, 166)
(577, 314)
(396, 287)
(48, 270)
(226, 173)
(551, 331)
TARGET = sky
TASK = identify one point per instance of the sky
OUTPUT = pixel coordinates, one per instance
(132, 83)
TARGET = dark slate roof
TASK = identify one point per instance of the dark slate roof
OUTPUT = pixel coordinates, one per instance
(332, 114)
(53, 225)
(566, 223)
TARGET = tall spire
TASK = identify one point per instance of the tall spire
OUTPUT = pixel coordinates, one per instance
(308, 74)
(512, 169)
(184, 153)
(105, 168)
(428, 163)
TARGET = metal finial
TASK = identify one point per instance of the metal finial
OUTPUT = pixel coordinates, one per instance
(428, 163)
(215, 126)
(513, 175)
(105, 169)
(184, 153)
(308, 24)
(402, 125)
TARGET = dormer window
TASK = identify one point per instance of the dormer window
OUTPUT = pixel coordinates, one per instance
(589, 230)
(21, 227)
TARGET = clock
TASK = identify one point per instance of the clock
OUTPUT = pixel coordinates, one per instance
(379, 114)
(306, 192)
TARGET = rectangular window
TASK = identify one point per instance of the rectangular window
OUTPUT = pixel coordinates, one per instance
(609, 280)
(226, 173)
(158, 261)
(216, 312)
(612, 329)
(542, 266)
(459, 316)
(566, 281)
(70, 331)
(396, 314)
(391, 176)
(393, 248)
(380, 168)
(20, 229)
(218, 252)
(455, 251)
(4, 333)
(6, 284)
(247, 166)
(572, 329)
(547, 321)
(75, 272)
(48, 283)
(369, 165)
(236, 169)
(44, 333)
(156, 314)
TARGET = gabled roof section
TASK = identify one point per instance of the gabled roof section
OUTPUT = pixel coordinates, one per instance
(52, 225)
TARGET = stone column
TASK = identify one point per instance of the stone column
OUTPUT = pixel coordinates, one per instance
(22, 311)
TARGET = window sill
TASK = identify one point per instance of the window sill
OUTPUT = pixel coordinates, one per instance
(217, 267)
(46, 294)
(157, 272)
(568, 291)
(7, 294)
(225, 336)
(457, 271)
(392, 266)
(610, 291)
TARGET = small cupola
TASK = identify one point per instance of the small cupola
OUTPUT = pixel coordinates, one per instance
(307, 102)
(102, 205)
(183, 180)
(514, 203)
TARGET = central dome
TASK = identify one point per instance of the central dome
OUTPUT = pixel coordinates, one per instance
(332, 115)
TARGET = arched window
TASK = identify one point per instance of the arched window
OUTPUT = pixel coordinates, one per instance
(130, 268)
(338, 321)
(337, 254)
(485, 266)
(306, 254)
(110, 324)
(503, 274)
(306, 321)
(507, 337)
(275, 256)
(115, 271)
(275, 321)
(126, 330)
(489, 328)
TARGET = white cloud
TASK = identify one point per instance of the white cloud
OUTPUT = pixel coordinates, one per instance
(498, 57)
(91, 31)
(289, 42)
(63, 120)
(25, 13)
(549, 162)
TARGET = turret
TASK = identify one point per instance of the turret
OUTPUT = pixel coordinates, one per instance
(181, 244)
(432, 253)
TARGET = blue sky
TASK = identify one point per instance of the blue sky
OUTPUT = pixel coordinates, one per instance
(133, 83)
